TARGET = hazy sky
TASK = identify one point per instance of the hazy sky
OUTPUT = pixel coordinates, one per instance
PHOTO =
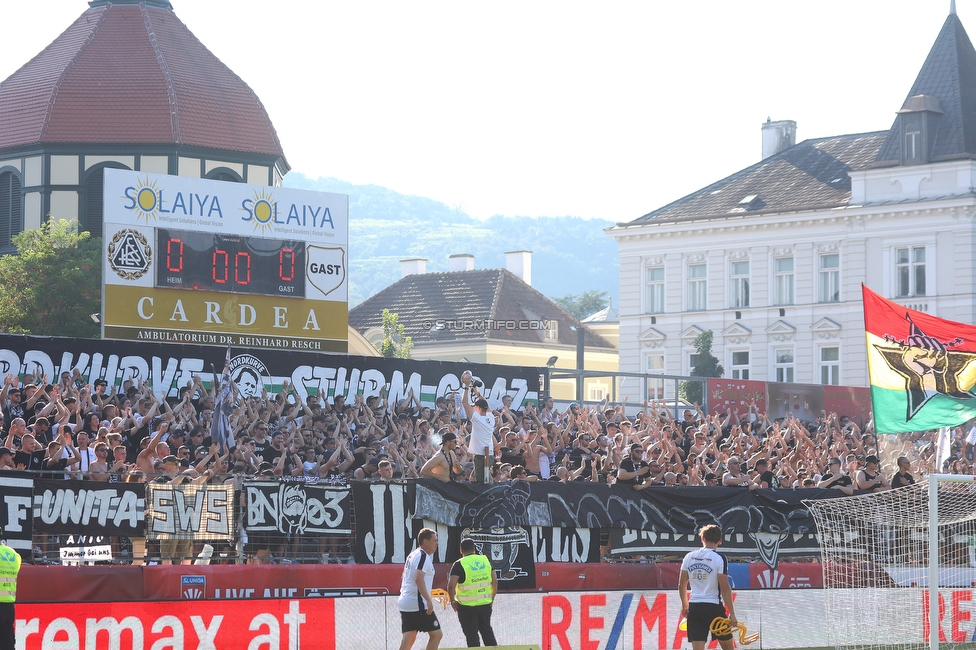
(535, 108)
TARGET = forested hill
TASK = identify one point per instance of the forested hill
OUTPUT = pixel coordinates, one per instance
(570, 255)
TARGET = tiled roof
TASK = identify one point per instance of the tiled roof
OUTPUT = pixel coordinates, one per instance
(949, 75)
(425, 298)
(132, 73)
(811, 175)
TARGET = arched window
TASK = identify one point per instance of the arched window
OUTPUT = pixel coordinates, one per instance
(11, 209)
(91, 217)
(224, 174)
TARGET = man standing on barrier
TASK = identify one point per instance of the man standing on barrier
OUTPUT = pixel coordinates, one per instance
(472, 587)
(482, 444)
(707, 573)
(9, 568)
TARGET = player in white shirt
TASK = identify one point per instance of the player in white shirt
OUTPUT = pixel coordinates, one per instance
(415, 603)
(706, 573)
(482, 444)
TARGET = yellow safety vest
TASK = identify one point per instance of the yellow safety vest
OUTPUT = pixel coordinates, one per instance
(9, 568)
(476, 588)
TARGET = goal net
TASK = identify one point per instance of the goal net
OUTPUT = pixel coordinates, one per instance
(882, 552)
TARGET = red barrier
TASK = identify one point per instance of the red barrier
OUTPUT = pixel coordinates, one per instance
(58, 584)
(49, 584)
(179, 624)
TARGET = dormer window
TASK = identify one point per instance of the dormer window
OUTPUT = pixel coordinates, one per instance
(918, 122)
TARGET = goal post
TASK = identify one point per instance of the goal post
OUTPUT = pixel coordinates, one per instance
(899, 566)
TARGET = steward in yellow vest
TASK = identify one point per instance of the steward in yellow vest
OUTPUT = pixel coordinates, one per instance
(9, 568)
(472, 587)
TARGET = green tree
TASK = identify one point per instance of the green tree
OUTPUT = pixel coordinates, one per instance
(584, 304)
(52, 286)
(396, 344)
(706, 366)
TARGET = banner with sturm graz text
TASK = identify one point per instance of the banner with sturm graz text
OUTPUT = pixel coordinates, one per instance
(169, 366)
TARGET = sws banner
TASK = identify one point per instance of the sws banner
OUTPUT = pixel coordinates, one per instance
(197, 512)
(294, 507)
(89, 508)
(167, 367)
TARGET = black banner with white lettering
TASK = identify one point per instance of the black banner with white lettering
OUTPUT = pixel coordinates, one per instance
(385, 528)
(185, 511)
(16, 511)
(169, 366)
(674, 510)
(297, 508)
(90, 508)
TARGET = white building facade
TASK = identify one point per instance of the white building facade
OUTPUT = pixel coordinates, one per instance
(772, 258)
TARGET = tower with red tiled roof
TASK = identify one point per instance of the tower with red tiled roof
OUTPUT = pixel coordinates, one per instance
(126, 85)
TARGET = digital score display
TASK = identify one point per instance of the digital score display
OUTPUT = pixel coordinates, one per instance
(229, 263)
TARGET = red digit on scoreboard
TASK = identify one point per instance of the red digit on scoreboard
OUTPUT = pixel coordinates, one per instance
(242, 255)
(221, 258)
(177, 265)
(286, 265)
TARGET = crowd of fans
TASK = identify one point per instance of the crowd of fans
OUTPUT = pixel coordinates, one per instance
(73, 429)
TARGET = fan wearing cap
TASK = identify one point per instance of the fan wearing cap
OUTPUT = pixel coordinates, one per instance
(443, 466)
(482, 443)
(870, 477)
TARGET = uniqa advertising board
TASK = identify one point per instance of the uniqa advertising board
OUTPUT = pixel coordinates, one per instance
(190, 260)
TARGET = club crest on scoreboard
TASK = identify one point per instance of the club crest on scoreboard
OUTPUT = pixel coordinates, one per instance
(129, 254)
(325, 268)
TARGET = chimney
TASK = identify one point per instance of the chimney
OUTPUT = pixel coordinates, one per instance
(520, 263)
(777, 136)
(460, 262)
(412, 267)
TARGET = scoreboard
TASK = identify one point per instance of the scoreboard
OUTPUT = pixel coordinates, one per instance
(190, 260)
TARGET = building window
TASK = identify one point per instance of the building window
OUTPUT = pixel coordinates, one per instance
(224, 174)
(693, 360)
(784, 365)
(655, 289)
(830, 366)
(654, 365)
(11, 213)
(551, 330)
(910, 271)
(740, 364)
(597, 392)
(697, 287)
(829, 278)
(783, 281)
(91, 219)
(739, 278)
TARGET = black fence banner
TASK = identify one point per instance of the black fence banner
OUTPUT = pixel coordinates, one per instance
(89, 508)
(385, 529)
(186, 511)
(16, 510)
(673, 510)
(566, 544)
(169, 366)
(297, 508)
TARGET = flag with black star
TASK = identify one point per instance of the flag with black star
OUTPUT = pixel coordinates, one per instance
(922, 368)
